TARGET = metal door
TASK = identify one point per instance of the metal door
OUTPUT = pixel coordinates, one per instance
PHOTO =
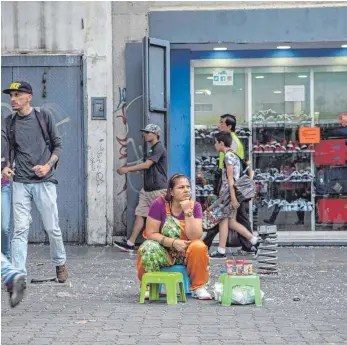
(148, 101)
(57, 86)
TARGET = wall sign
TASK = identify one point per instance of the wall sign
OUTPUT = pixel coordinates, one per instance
(309, 135)
(294, 93)
(223, 77)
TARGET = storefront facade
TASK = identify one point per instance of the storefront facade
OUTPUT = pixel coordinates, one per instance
(282, 93)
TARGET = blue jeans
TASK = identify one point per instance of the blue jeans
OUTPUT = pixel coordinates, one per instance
(8, 272)
(45, 197)
(6, 220)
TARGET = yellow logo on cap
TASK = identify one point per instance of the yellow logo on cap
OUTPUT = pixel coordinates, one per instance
(15, 86)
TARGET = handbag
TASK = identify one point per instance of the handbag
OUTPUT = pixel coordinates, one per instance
(244, 188)
(211, 218)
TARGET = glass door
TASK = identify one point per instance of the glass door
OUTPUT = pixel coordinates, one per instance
(217, 91)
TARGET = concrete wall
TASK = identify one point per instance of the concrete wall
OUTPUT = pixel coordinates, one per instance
(99, 31)
(83, 28)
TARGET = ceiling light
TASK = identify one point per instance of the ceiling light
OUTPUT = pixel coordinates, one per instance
(203, 92)
(210, 78)
(283, 47)
(344, 46)
(220, 48)
(277, 91)
(259, 77)
(240, 89)
(302, 76)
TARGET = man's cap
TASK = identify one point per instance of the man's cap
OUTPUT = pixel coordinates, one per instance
(22, 86)
(151, 128)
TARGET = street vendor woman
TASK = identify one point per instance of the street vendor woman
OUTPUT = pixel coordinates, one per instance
(173, 232)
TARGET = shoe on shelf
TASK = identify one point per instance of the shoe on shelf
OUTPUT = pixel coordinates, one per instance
(17, 289)
(201, 293)
(269, 221)
(284, 146)
(267, 148)
(217, 255)
(124, 246)
(290, 147)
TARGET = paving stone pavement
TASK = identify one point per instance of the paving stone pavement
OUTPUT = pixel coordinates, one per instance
(99, 304)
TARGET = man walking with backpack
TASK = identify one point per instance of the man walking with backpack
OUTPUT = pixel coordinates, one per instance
(35, 146)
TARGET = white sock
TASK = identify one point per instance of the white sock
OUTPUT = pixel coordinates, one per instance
(130, 243)
(221, 250)
(254, 240)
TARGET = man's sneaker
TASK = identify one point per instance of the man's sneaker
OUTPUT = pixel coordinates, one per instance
(124, 246)
(17, 289)
(61, 273)
(201, 293)
(217, 255)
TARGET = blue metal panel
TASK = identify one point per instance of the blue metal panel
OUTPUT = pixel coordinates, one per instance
(62, 95)
(268, 53)
(324, 24)
(180, 112)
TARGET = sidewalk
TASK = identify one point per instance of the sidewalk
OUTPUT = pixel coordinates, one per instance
(99, 304)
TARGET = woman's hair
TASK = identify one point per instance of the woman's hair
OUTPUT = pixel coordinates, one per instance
(172, 183)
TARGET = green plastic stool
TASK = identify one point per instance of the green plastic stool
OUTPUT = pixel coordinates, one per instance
(229, 281)
(154, 279)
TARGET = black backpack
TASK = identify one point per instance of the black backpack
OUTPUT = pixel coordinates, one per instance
(43, 124)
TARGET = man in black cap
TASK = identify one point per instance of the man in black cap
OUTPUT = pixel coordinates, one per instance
(34, 146)
(155, 183)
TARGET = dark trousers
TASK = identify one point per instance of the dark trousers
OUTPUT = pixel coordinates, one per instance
(242, 217)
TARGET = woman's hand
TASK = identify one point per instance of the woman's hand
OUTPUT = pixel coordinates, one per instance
(234, 204)
(181, 245)
(186, 206)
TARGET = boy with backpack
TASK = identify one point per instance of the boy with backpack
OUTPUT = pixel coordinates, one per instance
(34, 146)
(231, 172)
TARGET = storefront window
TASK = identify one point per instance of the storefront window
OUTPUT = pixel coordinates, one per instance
(300, 186)
(281, 105)
(330, 103)
(217, 91)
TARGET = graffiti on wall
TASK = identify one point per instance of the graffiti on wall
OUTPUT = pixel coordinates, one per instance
(124, 141)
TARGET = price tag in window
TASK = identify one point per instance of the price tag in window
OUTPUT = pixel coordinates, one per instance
(309, 135)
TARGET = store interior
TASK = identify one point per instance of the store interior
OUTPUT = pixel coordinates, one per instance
(300, 185)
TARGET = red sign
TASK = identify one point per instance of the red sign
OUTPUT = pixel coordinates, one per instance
(343, 119)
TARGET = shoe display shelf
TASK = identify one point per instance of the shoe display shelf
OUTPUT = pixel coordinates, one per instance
(270, 153)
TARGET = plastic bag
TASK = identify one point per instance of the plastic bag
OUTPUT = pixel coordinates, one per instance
(240, 295)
